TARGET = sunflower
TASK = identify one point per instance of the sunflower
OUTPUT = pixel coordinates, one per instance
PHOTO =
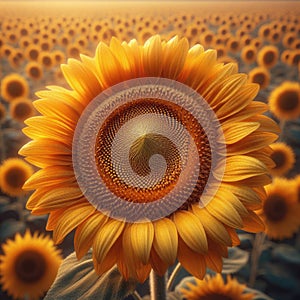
(248, 54)
(126, 156)
(13, 174)
(46, 60)
(32, 52)
(261, 76)
(280, 211)
(14, 86)
(284, 101)
(214, 288)
(21, 109)
(29, 265)
(268, 56)
(283, 157)
(34, 70)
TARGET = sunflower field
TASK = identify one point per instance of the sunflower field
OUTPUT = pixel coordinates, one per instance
(150, 150)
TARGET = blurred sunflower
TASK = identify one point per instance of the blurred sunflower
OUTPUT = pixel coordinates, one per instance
(281, 211)
(29, 265)
(248, 54)
(21, 109)
(284, 101)
(14, 86)
(34, 70)
(13, 174)
(214, 288)
(261, 76)
(123, 211)
(283, 157)
(268, 56)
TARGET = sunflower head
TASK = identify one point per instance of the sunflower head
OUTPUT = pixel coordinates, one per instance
(13, 174)
(284, 101)
(215, 288)
(146, 156)
(268, 56)
(14, 86)
(261, 76)
(34, 70)
(21, 109)
(281, 211)
(283, 157)
(29, 265)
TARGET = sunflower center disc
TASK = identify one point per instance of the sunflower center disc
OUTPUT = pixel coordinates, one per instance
(30, 266)
(147, 147)
(275, 208)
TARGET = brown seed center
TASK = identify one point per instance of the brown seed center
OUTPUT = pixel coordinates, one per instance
(146, 147)
(289, 100)
(279, 158)
(30, 266)
(15, 89)
(275, 208)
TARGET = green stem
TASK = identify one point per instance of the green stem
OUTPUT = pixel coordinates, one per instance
(158, 290)
(136, 295)
(173, 276)
(281, 126)
(255, 255)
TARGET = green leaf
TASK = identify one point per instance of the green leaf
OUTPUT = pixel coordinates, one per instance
(286, 253)
(77, 279)
(236, 260)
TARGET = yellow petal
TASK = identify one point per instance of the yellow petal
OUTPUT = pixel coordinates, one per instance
(159, 265)
(213, 258)
(49, 128)
(142, 235)
(70, 219)
(50, 176)
(50, 160)
(109, 67)
(213, 228)
(56, 198)
(217, 78)
(106, 237)
(237, 131)
(240, 167)
(245, 194)
(191, 230)
(235, 101)
(165, 240)
(253, 108)
(81, 79)
(152, 57)
(192, 261)
(233, 235)
(254, 141)
(191, 75)
(134, 57)
(224, 211)
(86, 232)
(109, 261)
(45, 147)
(53, 218)
(228, 90)
(174, 56)
(253, 223)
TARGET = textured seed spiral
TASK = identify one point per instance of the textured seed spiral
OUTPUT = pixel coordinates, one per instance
(147, 147)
